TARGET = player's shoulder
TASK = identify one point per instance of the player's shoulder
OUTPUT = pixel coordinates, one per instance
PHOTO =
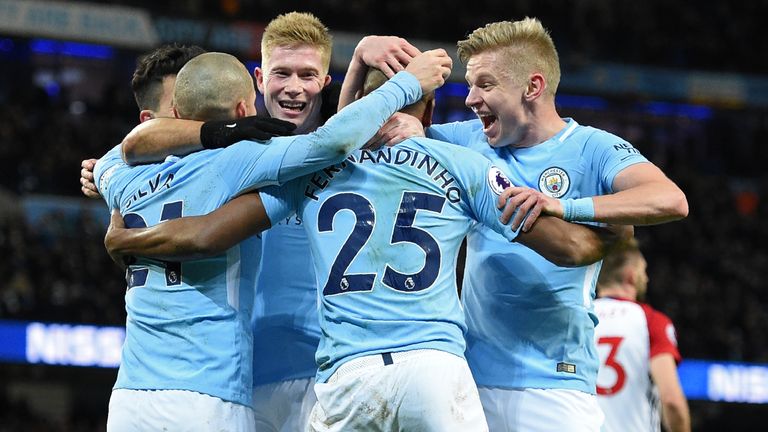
(654, 314)
(589, 135)
(459, 130)
(445, 151)
(592, 136)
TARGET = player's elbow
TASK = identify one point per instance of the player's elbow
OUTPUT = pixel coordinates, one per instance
(673, 205)
(128, 148)
(678, 205)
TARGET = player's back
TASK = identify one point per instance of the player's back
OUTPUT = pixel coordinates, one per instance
(625, 391)
(188, 324)
(385, 228)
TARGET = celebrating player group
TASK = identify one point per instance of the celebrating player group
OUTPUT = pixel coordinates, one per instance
(297, 270)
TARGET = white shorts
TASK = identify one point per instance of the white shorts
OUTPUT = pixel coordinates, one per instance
(419, 390)
(284, 406)
(175, 410)
(540, 410)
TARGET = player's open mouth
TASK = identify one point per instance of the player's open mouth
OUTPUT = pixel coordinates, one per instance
(488, 120)
(292, 106)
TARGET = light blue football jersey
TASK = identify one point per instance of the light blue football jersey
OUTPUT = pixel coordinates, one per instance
(385, 229)
(530, 322)
(189, 325)
(286, 329)
(285, 320)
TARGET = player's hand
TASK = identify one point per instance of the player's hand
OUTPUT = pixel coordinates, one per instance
(86, 179)
(431, 68)
(398, 128)
(116, 229)
(389, 54)
(525, 204)
(222, 133)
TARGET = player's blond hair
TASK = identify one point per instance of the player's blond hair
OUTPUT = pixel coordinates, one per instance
(525, 45)
(210, 85)
(294, 29)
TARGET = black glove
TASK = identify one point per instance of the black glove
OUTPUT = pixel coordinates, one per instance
(222, 133)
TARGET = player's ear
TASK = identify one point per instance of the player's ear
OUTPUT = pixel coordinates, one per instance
(145, 115)
(241, 109)
(326, 80)
(536, 86)
(630, 276)
(258, 73)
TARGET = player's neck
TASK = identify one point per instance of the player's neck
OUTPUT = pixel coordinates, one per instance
(545, 123)
(619, 292)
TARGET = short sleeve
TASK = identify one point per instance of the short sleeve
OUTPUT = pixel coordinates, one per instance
(613, 154)
(661, 334)
(482, 183)
(484, 201)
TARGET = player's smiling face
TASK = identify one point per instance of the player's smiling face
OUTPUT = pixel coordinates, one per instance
(291, 82)
(496, 99)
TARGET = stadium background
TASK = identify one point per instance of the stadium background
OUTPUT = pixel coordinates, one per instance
(686, 82)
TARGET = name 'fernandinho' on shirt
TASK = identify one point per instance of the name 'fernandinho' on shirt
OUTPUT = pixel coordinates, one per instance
(439, 174)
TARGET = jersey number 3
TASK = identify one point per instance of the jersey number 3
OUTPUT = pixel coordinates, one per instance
(403, 232)
(611, 362)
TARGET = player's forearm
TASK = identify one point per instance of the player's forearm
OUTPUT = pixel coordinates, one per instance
(349, 129)
(648, 204)
(154, 140)
(567, 244)
(353, 81)
(165, 241)
(193, 237)
(676, 417)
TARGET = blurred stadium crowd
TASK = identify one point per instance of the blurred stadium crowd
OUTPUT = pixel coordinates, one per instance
(705, 271)
(706, 34)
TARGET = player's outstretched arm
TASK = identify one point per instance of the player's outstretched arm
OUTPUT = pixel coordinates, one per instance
(192, 237)
(154, 140)
(675, 414)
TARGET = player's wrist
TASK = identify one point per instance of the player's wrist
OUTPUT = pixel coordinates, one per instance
(578, 209)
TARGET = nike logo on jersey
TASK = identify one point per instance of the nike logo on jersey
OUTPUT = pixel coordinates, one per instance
(231, 125)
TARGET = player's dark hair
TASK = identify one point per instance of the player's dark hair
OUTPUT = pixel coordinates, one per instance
(151, 68)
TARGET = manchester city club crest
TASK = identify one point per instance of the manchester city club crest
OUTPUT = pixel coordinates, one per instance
(554, 182)
(497, 180)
